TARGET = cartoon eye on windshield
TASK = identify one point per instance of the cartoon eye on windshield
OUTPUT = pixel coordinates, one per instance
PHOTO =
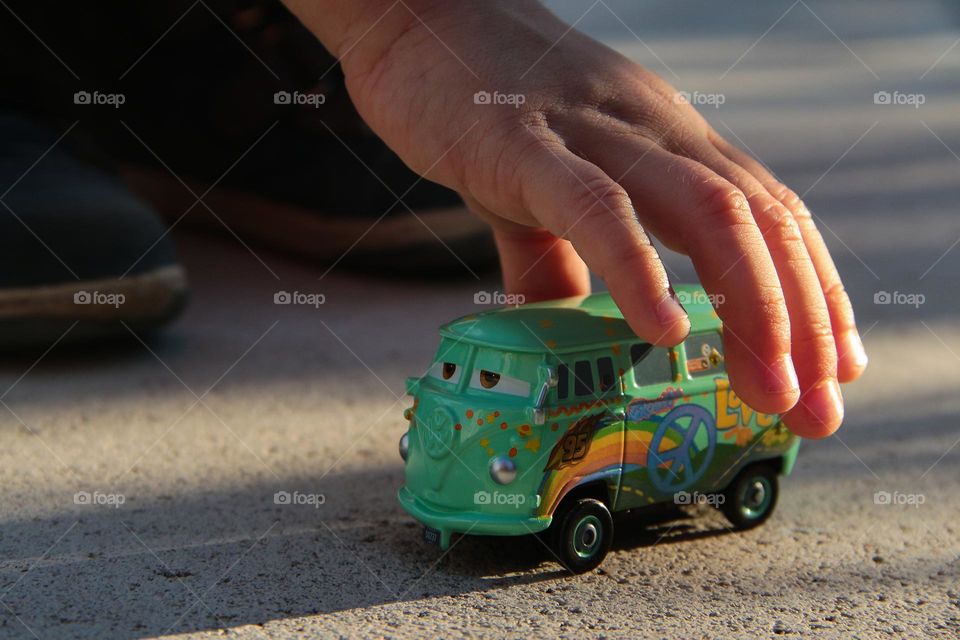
(447, 371)
(490, 380)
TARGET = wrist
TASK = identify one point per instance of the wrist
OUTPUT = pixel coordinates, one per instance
(362, 33)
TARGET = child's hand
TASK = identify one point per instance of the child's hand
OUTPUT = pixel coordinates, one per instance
(601, 153)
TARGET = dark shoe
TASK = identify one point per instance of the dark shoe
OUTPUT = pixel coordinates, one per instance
(201, 100)
(75, 246)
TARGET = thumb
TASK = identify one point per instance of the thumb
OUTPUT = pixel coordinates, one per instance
(540, 266)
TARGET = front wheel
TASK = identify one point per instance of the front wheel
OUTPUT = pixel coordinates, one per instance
(583, 535)
(751, 497)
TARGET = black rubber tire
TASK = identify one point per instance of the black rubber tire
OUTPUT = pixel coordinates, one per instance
(582, 534)
(742, 505)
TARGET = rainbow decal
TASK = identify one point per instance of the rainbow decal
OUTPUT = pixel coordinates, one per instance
(593, 448)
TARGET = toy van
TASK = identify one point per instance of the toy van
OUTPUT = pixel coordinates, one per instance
(548, 417)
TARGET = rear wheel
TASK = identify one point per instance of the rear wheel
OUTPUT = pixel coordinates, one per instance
(584, 531)
(751, 497)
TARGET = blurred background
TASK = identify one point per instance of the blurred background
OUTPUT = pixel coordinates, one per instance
(190, 433)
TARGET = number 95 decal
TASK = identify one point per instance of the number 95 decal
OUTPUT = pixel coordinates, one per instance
(574, 445)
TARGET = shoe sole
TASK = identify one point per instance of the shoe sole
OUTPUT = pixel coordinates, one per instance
(37, 315)
(326, 236)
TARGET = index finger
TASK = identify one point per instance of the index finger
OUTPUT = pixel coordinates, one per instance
(695, 211)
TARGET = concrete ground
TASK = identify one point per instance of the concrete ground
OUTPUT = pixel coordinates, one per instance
(196, 432)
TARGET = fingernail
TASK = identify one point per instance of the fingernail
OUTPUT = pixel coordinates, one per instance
(824, 404)
(853, 349)
(669, 311)
(782, 377)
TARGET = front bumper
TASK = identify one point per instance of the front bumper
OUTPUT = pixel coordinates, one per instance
(790, 457)
(473, 522)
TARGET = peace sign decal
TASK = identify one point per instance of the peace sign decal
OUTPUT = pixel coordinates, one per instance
(674, 470)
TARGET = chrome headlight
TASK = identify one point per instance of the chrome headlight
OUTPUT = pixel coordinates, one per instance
(404, 445)
(503, 470)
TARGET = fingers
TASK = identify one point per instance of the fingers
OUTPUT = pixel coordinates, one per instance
(819, 410)
(576, 200)
(852, 359)
(694, 210)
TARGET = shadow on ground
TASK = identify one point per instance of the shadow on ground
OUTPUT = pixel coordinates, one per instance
(233, 557)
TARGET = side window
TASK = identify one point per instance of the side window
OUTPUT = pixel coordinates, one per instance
(605, 377)
(704, 354)
(563, 381)
(582, 378)
(651, 365)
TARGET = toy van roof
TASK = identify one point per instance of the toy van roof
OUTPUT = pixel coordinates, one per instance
(569, 324)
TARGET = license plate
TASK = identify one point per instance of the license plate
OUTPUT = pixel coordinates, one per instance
(431, 536)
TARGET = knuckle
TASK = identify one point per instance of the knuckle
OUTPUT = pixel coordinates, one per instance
(590, 219)
(607, 225)
(771, 306)
(530, 141)
(630, 252)
(723, 207)
(819, 349)
(787, 196)
(599, 195)
(803, 215)
(684, 141)
(815, 332)
(514, 163)
(725, 202)
(764, 313)
(775, 221)
(763, 322)
(836, 295)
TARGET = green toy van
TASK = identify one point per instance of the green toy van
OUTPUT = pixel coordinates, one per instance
(548, 417)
